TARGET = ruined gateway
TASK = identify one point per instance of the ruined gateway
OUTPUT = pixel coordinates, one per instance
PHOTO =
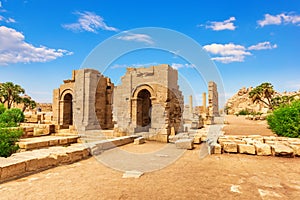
(147, 100)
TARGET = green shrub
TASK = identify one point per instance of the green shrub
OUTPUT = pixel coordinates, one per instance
(8, 139)
(2, 108)
(285, 120)
(244, 112)
(11, 117)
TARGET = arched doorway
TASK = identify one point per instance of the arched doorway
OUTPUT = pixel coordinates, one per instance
(67, 110)
(144, 109)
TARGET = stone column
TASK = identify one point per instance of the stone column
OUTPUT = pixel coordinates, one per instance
(191, 105)
(204, 102)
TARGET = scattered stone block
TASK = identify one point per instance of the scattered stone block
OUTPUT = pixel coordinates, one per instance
(262, 149)
(197, 140)
(11, 168)
(230, 147)
(216, 148)
(282, 150)
(246, 149)
(139, 140)
(296, 149)
(184, 144)
(132, 174)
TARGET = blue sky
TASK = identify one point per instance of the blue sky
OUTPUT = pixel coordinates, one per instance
(250, 42)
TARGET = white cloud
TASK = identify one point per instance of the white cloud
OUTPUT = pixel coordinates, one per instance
(229, 52)
(89, 21)
(136, 65)
(279, 19)
(7, 20)
(262, 46)
(137, 37)
(180, 65)
(14, 49)
(225, 25)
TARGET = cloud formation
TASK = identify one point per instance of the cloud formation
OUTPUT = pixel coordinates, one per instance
(14, 49)
(228, 53)
(279, 19)
(90, 22)
(225, 25)
(180, 65)
(262, 46)
(137, 37)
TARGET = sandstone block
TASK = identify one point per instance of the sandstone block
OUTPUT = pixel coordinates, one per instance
(139, 140)
(230, 147)
(11, 168)
(216, 149)
(296, 149)
(197, 140)
(184, 144)
(246, 149)
(282, 150)
(63, 141)
(262, 149)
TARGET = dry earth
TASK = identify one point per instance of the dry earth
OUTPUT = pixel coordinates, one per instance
(226, 176)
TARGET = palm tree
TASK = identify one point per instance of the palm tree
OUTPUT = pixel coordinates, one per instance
(27, 102)
(263, 93)
(10, 93)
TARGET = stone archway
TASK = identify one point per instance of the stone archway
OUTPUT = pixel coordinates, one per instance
(144, 109)
(67, 110)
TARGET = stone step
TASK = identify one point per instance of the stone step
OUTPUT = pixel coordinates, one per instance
(46, 141)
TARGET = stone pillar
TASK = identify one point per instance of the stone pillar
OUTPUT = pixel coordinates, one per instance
(204, 102)
(191, 105)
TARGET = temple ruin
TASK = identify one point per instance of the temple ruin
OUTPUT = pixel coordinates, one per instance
(147, 101)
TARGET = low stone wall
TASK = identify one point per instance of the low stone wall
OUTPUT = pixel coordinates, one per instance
(23, 163)
(258, 145)
(31, 129)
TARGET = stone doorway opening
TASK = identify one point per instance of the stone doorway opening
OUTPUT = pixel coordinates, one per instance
(144, 109)
(67, 110)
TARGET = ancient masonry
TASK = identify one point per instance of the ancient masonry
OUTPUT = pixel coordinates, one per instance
(213, 102)
(149, 100)
(87, 97)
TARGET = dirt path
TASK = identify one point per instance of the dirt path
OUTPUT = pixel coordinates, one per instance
(241, 126)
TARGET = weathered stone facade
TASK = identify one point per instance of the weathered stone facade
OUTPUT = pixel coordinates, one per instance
(149, 100)
(86, 99)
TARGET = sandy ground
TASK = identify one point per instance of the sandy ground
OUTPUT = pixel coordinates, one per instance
(240, 126)
(226, 176)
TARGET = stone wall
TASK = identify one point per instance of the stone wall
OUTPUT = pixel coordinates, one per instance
(213, 99)
(149, 99)
(86, 99)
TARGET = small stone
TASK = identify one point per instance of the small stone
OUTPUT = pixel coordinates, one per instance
(132, 174)
(197, 140)
(246, 149)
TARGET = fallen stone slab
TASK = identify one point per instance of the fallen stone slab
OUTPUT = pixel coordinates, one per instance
(282, 150)
(262, 149)
(132, 174)
(246, 149)
(230, 147)
(184, 144)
